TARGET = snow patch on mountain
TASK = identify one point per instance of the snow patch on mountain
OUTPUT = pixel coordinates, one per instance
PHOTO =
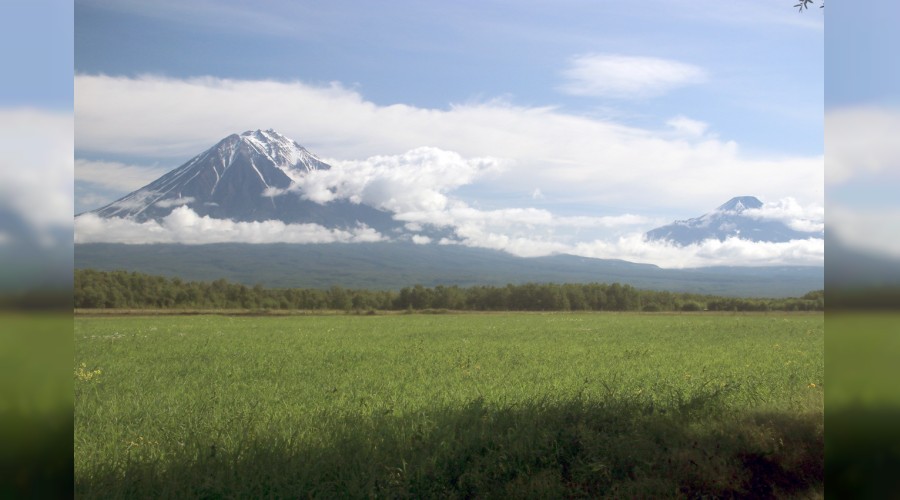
(285, 153)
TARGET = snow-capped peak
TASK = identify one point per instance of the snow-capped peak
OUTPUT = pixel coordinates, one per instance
(739, 204)
(285, 153)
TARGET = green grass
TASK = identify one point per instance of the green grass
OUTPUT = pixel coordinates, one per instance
(35, 405)
(863, 404)
(485, 405)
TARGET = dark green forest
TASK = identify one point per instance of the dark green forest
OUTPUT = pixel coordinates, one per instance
(132, 290)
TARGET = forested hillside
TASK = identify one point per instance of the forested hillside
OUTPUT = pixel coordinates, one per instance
(132, 290)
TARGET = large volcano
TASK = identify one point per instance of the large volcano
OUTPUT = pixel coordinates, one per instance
(244, 178)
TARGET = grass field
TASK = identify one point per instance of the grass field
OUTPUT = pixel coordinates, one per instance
(35, 405)
(483, 405)
(863, 404)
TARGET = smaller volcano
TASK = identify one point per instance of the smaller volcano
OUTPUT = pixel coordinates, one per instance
(730, 220)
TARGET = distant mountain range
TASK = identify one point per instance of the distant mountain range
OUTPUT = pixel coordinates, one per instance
(32, 259)
(738, 217)
(848, 267)
(393, 265)
(251, 177)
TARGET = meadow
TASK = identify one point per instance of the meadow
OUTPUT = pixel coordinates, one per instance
(863, 404)
(35, 404)
(515, 405)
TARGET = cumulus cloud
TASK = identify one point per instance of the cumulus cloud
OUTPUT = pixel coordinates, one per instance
(183, 225)
(861, 140)
(416, 180)
(592, 160)
(618, 76)
(419, 239)
(809, 218)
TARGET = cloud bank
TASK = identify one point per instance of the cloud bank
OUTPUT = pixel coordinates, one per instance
(524, 232)
(184, 226)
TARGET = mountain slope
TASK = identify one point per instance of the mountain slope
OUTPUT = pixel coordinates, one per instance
(395, 265)
(244, 178)
(738, 217)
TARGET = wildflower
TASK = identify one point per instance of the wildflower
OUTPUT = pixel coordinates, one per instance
(83, 374)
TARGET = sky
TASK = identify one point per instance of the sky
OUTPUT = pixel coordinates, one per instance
(36, 127)
(862, 116)
(589, 122)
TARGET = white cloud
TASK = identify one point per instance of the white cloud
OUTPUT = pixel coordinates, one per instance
(633, 247)
(711, 252)
(117, 175)
(416, 180)
(861, 140)
(419, 239)
(591, 160)
(618, 76)
(687, 126)
(870, 229)
(809, 218)
(174, 202)
(36, 167)
(459, 214)
(183, 225)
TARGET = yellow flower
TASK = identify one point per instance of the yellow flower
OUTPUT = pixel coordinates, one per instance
(83, 374)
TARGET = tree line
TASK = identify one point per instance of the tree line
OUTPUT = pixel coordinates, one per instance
(133, 290)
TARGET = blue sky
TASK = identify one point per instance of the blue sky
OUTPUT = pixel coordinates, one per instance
(36, 54)
(760, 90)
(639, 112)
